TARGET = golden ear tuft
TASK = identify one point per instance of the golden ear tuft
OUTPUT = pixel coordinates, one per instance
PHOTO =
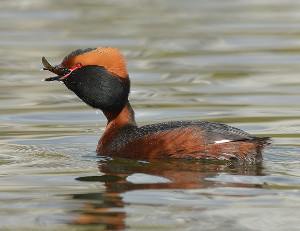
(108, 57)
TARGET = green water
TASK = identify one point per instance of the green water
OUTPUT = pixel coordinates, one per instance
(232, 61)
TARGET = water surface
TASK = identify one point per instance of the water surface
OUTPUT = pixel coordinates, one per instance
(227, 61)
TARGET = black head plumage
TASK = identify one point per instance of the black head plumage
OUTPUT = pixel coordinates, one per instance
(99, 88)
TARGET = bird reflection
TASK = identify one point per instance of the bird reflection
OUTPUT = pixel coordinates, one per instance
(107, 209)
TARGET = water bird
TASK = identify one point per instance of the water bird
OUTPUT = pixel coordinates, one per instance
(99, 77)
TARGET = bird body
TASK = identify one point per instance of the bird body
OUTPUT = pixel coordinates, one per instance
(98, 76)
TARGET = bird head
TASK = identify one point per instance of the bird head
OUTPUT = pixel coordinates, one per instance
(98, 76)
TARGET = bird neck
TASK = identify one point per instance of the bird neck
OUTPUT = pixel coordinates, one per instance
(115, 121)
(121, 118)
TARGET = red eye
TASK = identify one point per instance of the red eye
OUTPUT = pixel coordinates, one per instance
(76, 66)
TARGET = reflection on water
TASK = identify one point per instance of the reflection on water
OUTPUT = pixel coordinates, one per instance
(122, 176)
(229, 61)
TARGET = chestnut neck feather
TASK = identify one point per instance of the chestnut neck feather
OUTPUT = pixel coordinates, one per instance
(122, 118)
(116, 121)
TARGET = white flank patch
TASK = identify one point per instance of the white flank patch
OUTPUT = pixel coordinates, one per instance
(222, 141)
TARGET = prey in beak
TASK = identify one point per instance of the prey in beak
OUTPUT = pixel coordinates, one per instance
(61, 72)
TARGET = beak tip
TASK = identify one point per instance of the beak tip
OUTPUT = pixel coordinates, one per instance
(52, 78)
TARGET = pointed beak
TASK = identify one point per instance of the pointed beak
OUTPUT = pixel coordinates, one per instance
(54, 78)
(60, 71)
